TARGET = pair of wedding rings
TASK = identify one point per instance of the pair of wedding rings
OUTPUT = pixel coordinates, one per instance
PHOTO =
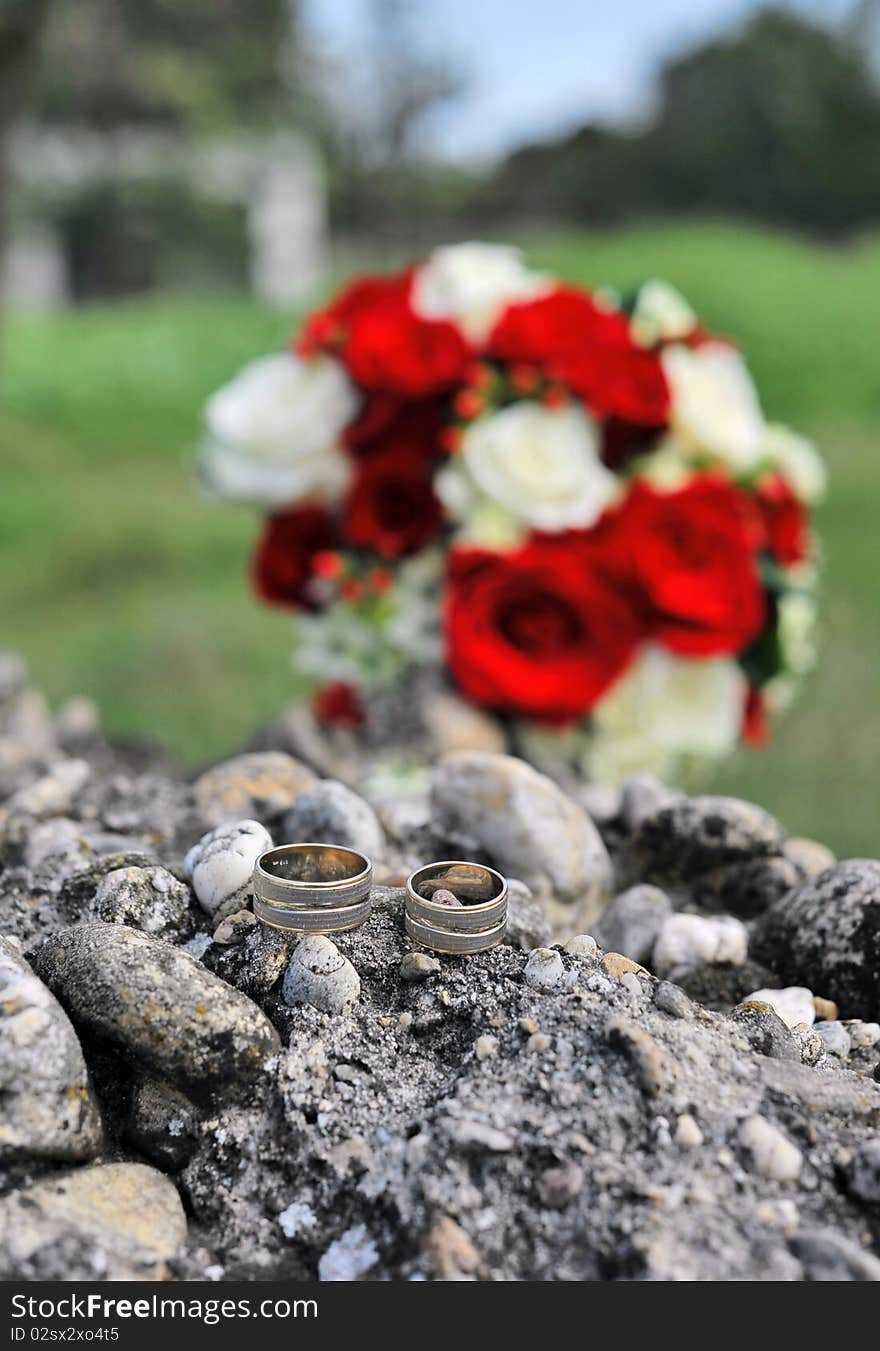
(326, 888)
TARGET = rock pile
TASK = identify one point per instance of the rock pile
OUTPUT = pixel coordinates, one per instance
(667, 1072)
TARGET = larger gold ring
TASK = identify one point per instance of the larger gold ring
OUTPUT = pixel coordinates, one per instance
(312, 888)
(477, 925)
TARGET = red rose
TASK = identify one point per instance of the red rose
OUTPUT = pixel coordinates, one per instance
(391, 508)
(385, 345)
(623, 441)
(282, 564)
(538, 632)
(691, 558)
(786, 533)
(338, 704)
(755, 729)
(387, 421)
(589, 348)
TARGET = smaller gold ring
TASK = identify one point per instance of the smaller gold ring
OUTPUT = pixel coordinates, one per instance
(312, 888)
(472, 927)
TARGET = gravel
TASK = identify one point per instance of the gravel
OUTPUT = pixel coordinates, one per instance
(634, 1095)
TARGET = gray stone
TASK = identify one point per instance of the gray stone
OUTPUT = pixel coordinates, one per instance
(765, 1031)
(671, 999)
(864, 1172)
(157, 1003)
(418, 966)
(163, 1124)
(809, 856)
(527, 925)
(683, 840)
(528, 826)
(78, 891)
(319, 975)
(641, 796)
(255, 964)
(809, 1042)
(261, 785)
(828, 1256)
(722, 985)
(835, 1038)
(150, 899)
(747, 887)
(115, 1221)
(330, 813)
(599, 801)
(54, 793)
(826, 934)
(235, 928)
(59, 847)
(48, 1107)
(631, 922)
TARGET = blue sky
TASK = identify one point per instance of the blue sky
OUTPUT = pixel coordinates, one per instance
(538, 67)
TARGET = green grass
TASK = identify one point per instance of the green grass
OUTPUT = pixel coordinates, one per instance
(118, 581)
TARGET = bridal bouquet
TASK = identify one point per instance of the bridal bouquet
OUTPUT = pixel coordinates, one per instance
(568, 500)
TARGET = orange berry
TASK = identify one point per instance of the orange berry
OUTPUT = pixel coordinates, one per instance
(450, 439)
(328, 563)
(479, 375)
(468, 404)
(381, 579)
(524, 378)
(352, 590)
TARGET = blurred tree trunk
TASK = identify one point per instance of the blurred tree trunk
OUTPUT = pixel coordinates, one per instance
(21, 23)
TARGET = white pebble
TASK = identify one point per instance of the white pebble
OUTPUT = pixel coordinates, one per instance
(794, 1004)
(694, 940)
(835, 1038)
(544, 969)
(581, 945)
(485, 1047)
(296, 1219)
(221, 865)
(630, 982)
(774, 1156)
(779, 1214)
(349, 1257)
(687, 1132)
(198, 945)
(863, 1035)
(319, 975)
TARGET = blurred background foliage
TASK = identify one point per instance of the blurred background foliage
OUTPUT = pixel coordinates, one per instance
(752, 182)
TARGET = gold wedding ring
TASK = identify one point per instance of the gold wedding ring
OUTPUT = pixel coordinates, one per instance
(479, 921)
(313, 888)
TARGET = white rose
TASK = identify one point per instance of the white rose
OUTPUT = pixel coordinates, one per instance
(471, 284)
(797, 631)
(665, 707)
(661, 312)
(482, 523)
(274, 431)
(668, 466)
(541, 464)
(714, 403)
(798, 460)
